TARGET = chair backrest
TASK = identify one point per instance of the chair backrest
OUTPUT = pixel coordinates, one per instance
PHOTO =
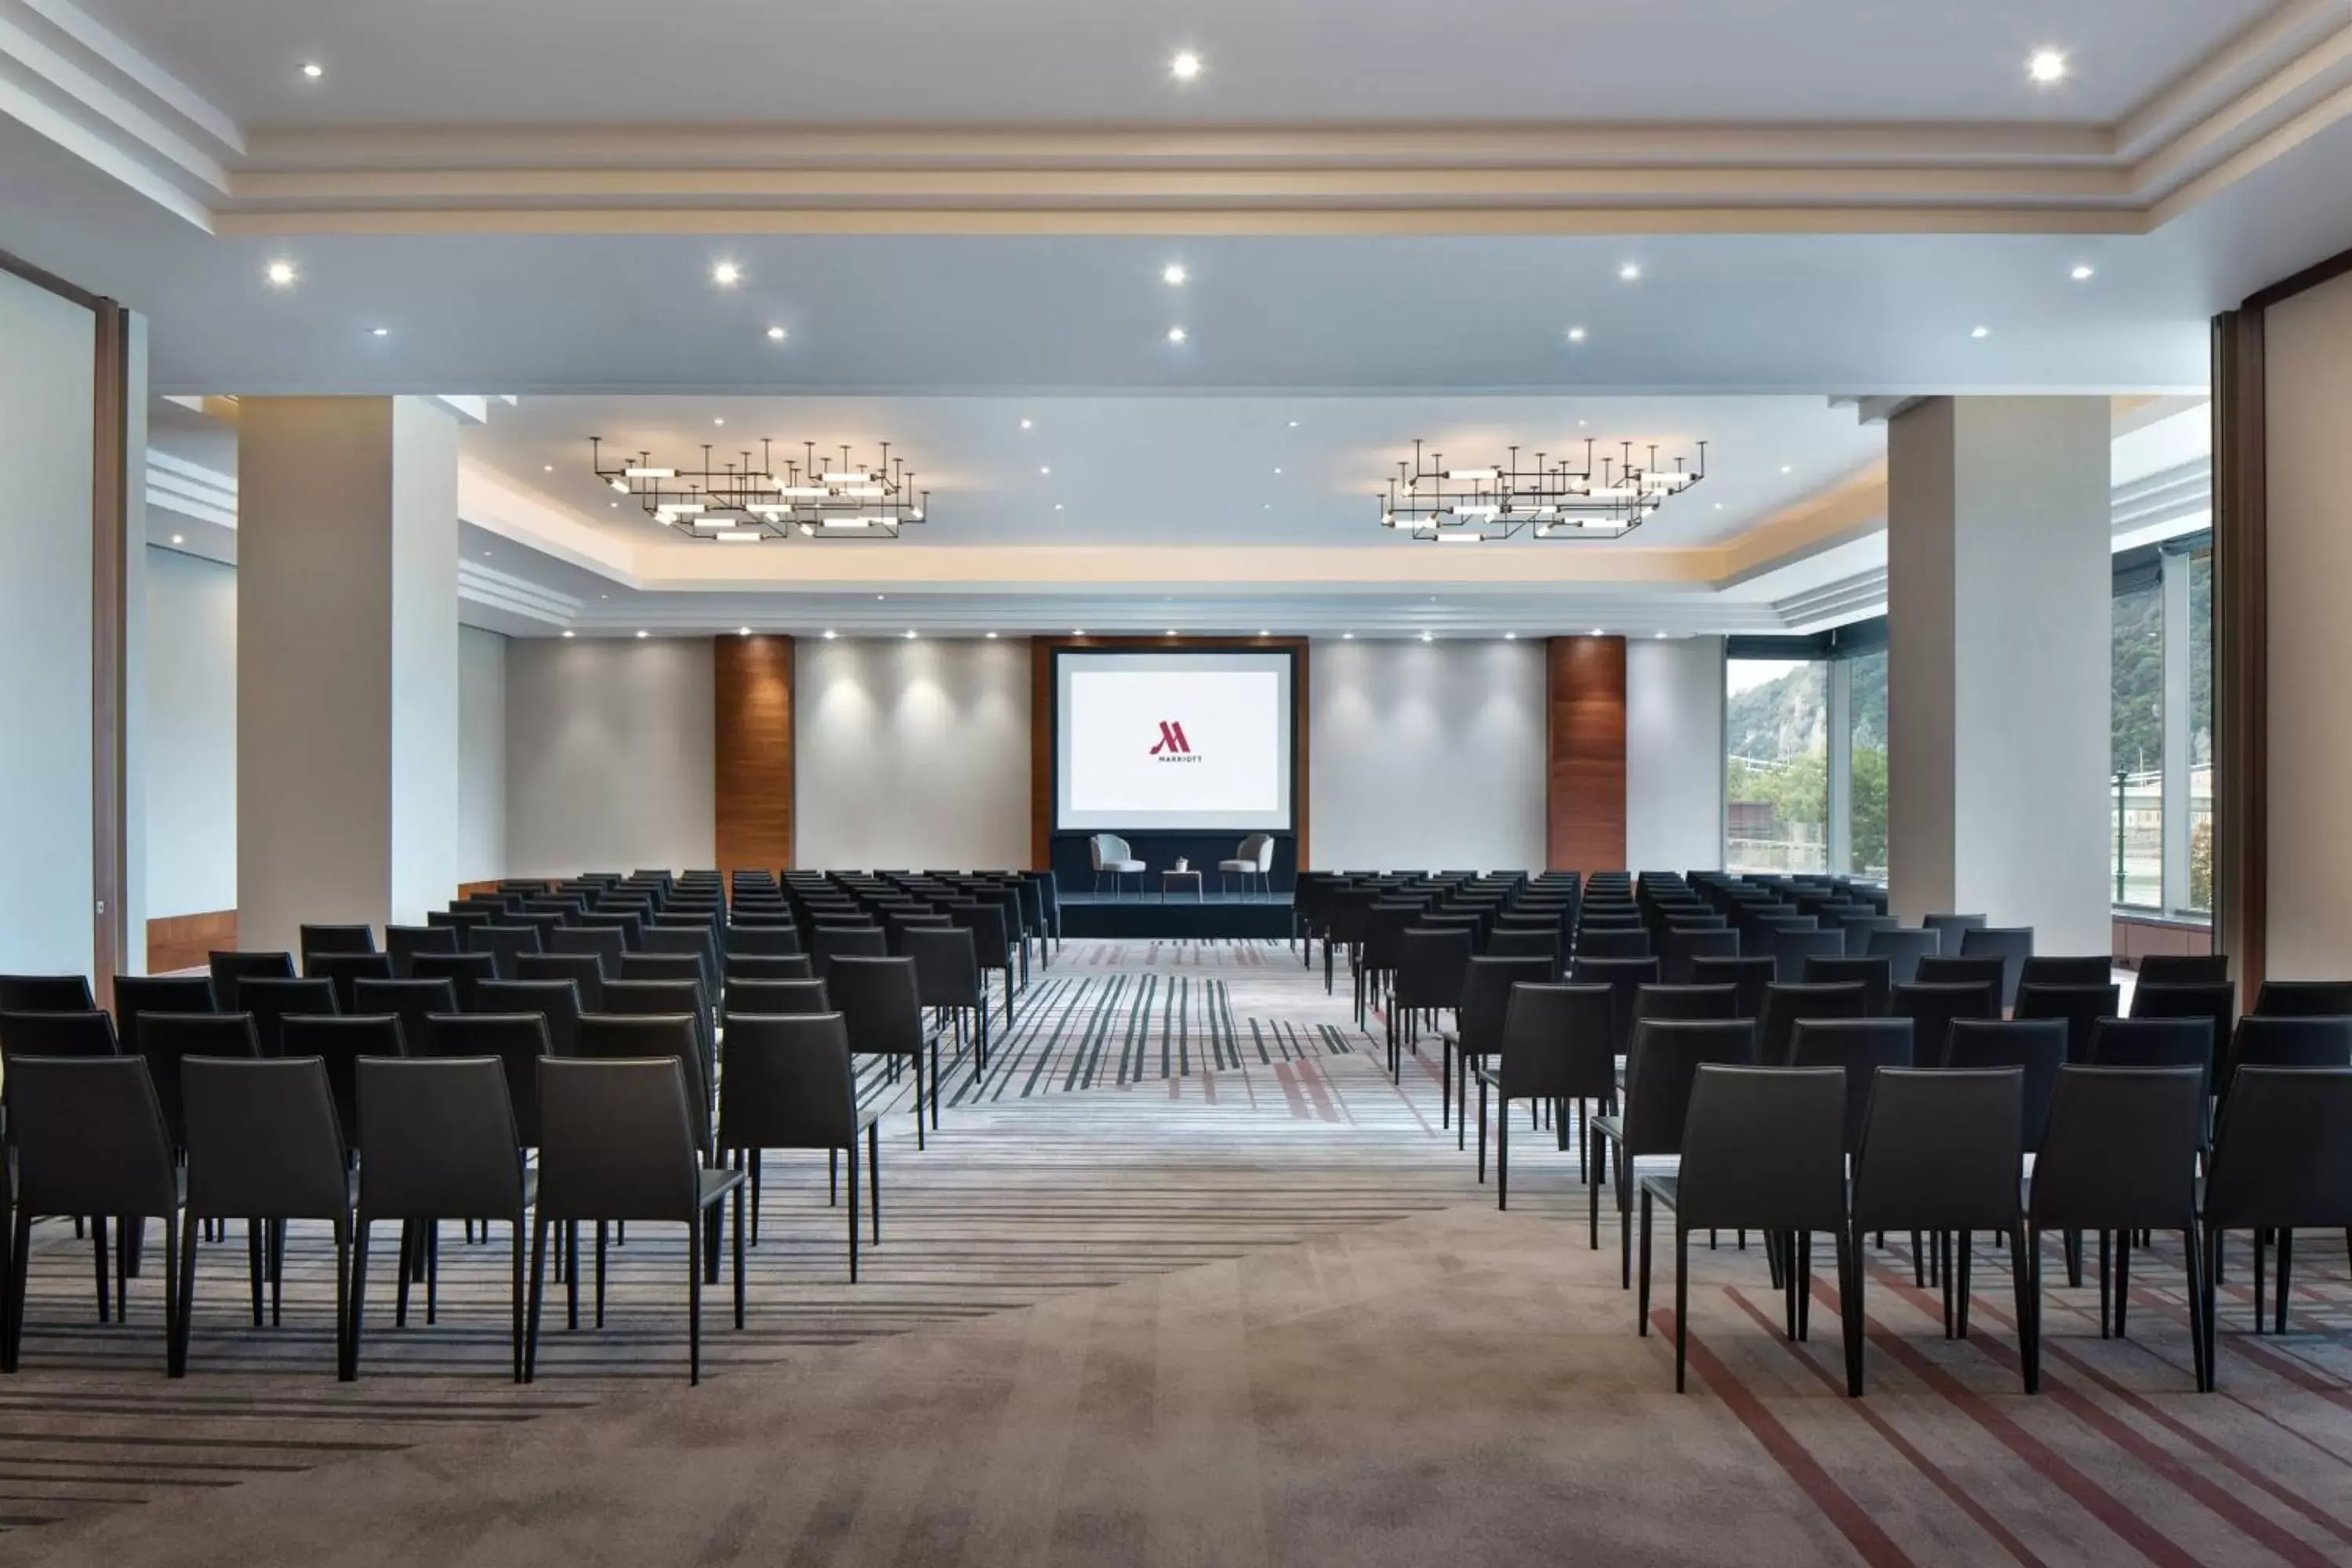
(1107, 848)
(1559, 1042)
(584, 971)
(263, 1140)
(788, 1083)
(462, 969)
(1793, 950)
(756, 966)
(339, 1043)
(504, 943)
(1858, 926)
(1680, 946)
(1786, 1003)
(1951, 929)
(1749, 975)
(605, 943)
(1433, 963)
(1759, 1148)
(877, 1001)
(229, 969)
(167, 1039)
(270, 1000)
(136, 994)
(2303, 998)
(1666, 1056)
(1602, 942)
(763, 941)
(991, 933)
(1975, 969)
(2036, 1047)
(1858, 1047)
(1941, 1151)
(413, 1001)
(1487, 997)
(2012, 944)
(771, 997)
(947, 967)
(2120, 1152)
(2283, 1153)
(1259, 847)
(46, 994)
(827, 943)
(90, 1033)
(404, 943)
(315, 940)
(2154, 1043)
(557, 1001)
(2098, 969)
(699, 941)
(517, 1039)
(1527, 942)
(618, 1140)
(2214, 1001)
(1932, 1006)
(1903, 948)
(1874, 976)
(343, 969)
(605, 1037)
(1624, 976)
(2184, 968)
(440, 1138)
(649, 964)
(2081, 1005)
(1685, 1002)
(2294, 1040)
(89, 1137)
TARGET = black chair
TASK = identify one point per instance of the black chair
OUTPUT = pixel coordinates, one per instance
(699, 941)
(229, 969)
(2303, 998)
(2119, 1156)
(2012, 944)
(1601, 942)
(667, 966)
(344, 971)
(1746, 976)
(948, 977)
(90, 1033)
(517, 1040)
(1485, 998)
(138, 993)
(1858, 927)
(1785, 1003)
(2184, 968)
(557, 1001)
(763, 941)
(504, 943)
(1858, 1047)
(339, 1043)
(264, 1147)
(1625, 977)
(269, 1000)
(404, 943)
(827, 943)
(2281, 1162)
(584, 971)
(993, 944)
(618, 1143)
(790, 1085)
(1951, 929)
(2081, 1005)
(1681, 946)
(441, 1143)
(1665, 1058)
(317, 940)
(90, 1140)
(1528, 943)
(2036, 1047)
(738, 966)
(168, 1039)
(462, 970)
(2154, 1043)
(1793, 951)
(1903, 948)
(413, 1001)
(2215, 1002)
(46, 994)
(774, 997)
(1874, 976)
(881, 1008)
(1942, 1152)
(1432, 963)
(1556, 1046)
(1760, 1151)
(1933, 1006)
(2294, 1040)
(1979, 969)
(603, 943)
(2098, 969)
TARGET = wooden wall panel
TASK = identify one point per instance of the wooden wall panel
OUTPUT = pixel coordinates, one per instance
(188, 941)
(752, 778)
(1584, 795)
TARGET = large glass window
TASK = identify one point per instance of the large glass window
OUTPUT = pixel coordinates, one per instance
(2136, 750)
(2160, 802)
(1776, 765)
(2199, 568)
(1866, 763)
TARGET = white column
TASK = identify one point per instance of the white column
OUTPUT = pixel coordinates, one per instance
(1998, 578)
(347, 663)
(1674, 753)
(133, 958)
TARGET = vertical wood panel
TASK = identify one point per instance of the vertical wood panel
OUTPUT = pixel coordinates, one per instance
(1584, 804)
(751, 693)
(1041, 752)
(2241, 648)
(109, 523)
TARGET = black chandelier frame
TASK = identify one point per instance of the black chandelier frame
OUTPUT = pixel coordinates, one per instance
(755, 501)
(1552, 500)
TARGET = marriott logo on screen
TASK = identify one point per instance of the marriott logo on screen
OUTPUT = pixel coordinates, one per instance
(1172, 746)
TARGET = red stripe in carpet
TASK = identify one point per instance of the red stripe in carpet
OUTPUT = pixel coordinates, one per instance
(1282, 1076)
(1873, 1544)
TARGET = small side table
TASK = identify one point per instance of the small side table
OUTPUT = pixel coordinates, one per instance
(1181, 881)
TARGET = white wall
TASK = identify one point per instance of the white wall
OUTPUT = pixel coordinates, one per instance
(2307, 349)
(47, 354)
(481, 755)
(1673, 754)
(608, 755)
(1426, 755)
(191, 796)
(911, 754)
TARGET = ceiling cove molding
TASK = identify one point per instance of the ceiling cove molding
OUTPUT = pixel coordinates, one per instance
(189, 489)
(498, 590)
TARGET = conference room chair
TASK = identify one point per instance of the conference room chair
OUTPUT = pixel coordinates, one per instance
(1858, 925)
(2214, 1001)
(1384, 928)
(136, 994)
(1432, 964)
(1109, 855)
(1624, 977)
(1509, 941)
(264, 1147)
(344, 970)
(740, 968)
(667, 998)
(1787, 1001)
(1346, 916)
(699, 941)
(464, 970)
(1949, 928)
(167, 1040)
(413, 1001)
(1478, 1031)
(1747, 976)
(2012, 944)
(515, 1039)
(2303, 998)
(991, 942)
(404, 943)
(457, 919)
(2098, 969)
(1980, 969)
(625, 922)
(1791, 949)
(46, 994)
(1606, 941)
(1905, 948)
(584, 972)
(339, 1043)
(2118, 1157)
(1858, 1047)
(2292, 1040)
(1664, 1001)
(2081, 1005)
(229, 970)
(2184, 968)
(881, 1008)
(790, 1085)
(504, 943)
(763, 941)
(617, 1144)
(334, 939)
(948, 978)
(1942, 1153)
(774, 996)
(88, 1139)
(1659, 1072)
(1760, 1151)
(90, 1033)
(681, 968)
(1040, 913)
(269, 1002)
(1554, 1048)
(827, 943)
(2282, 1160)
(1679, 947)
(1932, 1006)
(2035, 1047)
(1875, 976)
(556, 1001)
(2161, 1043)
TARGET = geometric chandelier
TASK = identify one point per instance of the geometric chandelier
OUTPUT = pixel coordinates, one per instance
(1471, 503)
(747, 503)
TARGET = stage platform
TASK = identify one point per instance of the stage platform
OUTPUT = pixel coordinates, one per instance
(1181, 917)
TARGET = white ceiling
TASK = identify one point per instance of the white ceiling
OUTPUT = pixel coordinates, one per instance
(1363, 61)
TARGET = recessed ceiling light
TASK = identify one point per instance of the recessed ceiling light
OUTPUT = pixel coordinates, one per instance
(991, 636)
(720, 421)
(1719, 506)
(1980, 332)
(486, 555)
(1044, 469)
(379, 332)
(571, 634)
(1510, 637)
(1172, 631)
(2083, 272)
(1057, 506)
(1787, 469)
(1261, 632)
(1582, 423)
(1425, 636)
(1026, 424)
(179, 539)
(2047, 65)
(1576, 335)
(644, 634)
(725, 274)
(547, 467)
(1185, 67)
(614, 504)
(1077, 631)
(313, 69)
(911, 633)
(1175, 275)
(830, 634)
(1346, 636)
(1596, 631)
(776, 334)
(603, 595)
(1293, 425)
(1175, 334)
(742, 631)
(1630, 272)
(1662, 634)
(281, 274)
(878, 598)
(1278, 470)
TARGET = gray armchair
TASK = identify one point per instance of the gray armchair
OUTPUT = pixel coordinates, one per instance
(1254, 857)
(1112, 855)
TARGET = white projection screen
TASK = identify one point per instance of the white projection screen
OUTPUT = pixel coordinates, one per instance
(1158, 742)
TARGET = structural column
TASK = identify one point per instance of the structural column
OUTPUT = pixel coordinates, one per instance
(347, 663)
(1999, 588)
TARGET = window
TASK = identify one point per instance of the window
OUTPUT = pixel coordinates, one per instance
(1867, 765)
(2199, 568)
(1776, 765)
(2161, 802)
(2135, 749)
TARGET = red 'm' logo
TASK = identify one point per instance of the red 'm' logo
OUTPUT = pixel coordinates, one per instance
(1172, 738)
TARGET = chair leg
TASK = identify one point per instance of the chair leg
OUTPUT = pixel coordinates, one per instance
(918, 1099)
(935, 1068)
(253, 1257)
(853, 1210)
(1482, 1131)
(520, 1293)
(2206, 1293)
(739, 1257)
(1849, 1264)
(601, 1230)
(1682, 1302)
(874, 1179)
(98, 1254)
(572, 1274)
(2025, 1263)
(344, 1371)
(1965, 1256)
(22, 1250)
(1804, 1254)
(2196, 1282)
(2286, 1265)
(1502, 1156)
(1641, 1298)
(537, 1290)
(361, 1228)
(1624, 1216)
(1591, 1193)
(694, 1301)
(177, 1366)
(832, 1177)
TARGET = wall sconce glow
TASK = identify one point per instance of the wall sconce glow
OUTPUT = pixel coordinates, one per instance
(281, 274)
(179, 539)
(911, 633)
(742, 631)
(991, 636)
(572, 634)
